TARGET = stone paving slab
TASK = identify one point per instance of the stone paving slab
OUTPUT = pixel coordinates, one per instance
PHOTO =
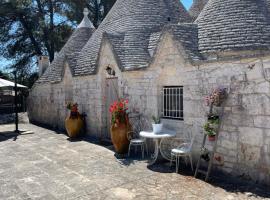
(46, 165)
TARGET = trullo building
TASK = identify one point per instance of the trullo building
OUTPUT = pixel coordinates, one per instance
(155, 46)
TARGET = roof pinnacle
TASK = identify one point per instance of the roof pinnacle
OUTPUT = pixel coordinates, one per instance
(85, 12)
(86, 21)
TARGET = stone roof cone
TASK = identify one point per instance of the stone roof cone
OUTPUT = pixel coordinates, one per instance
(197, 8)
(86, 21)
(69, 51)
(234, 25)
(129, 25)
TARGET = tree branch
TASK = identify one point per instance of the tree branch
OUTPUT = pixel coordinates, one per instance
(30, 34)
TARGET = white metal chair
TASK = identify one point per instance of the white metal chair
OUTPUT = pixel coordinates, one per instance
(138, 123)
(183, 150)
(137, 142)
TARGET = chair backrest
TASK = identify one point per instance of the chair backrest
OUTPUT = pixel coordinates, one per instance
(138, 124)
(190, 135)
(192, 141)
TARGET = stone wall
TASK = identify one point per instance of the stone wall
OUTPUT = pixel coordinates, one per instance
(47, 102)
(244, 143)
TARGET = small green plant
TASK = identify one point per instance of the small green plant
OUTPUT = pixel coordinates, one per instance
(209, 130)
(211, 126)
(156, 120)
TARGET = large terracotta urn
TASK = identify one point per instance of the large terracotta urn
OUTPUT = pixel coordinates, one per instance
(119, 137)
(74, 122)
(73, 126)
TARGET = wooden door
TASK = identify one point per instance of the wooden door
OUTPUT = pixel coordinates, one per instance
(111, 96)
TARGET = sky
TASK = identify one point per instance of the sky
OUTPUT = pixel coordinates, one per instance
(187, 3)
(4, 62)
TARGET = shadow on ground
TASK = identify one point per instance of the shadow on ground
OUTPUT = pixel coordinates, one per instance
(218, 179)
(13, 135)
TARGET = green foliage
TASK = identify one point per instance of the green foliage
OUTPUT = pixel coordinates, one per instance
(30, 28)
(156, 120)
(210, 127)
(4, 75)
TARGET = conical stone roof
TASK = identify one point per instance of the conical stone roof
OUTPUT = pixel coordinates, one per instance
(73, 46)
(129, 25)
(233, 25)
(197, 8)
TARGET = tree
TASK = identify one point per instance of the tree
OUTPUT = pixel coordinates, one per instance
(4, 75)
(30, 28)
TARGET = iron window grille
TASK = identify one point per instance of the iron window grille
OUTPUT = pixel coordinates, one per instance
(173, 102)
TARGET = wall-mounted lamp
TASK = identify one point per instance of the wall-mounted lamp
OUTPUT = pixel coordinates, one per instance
(110, 71)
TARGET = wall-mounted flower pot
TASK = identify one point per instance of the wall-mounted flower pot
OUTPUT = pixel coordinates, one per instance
(211, 138)
(119, 137)
(157, 128)
(73, 126)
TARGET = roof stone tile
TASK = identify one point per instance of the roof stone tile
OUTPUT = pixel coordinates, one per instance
(135, 20)
(233, 25)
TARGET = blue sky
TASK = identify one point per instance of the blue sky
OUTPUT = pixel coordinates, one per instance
(4, 62)
(187, 3)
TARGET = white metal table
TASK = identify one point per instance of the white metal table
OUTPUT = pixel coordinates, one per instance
(157, 137)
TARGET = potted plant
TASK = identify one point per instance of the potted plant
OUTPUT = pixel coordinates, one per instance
(120, 125)
(73, 122)
(157, 125)
(216, 97)
(211, 127)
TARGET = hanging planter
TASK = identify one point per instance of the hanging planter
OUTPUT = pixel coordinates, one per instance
(211, 138)
(120, 126)
(74, 122)
(217, 97)
(211, 127)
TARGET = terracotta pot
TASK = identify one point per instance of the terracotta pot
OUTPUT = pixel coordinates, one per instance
(73, 126)
(119, 137)
(211, 138)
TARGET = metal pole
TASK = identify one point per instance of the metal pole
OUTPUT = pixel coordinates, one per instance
(16, 102)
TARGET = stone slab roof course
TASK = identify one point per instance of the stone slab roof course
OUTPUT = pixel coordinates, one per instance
(187, 36)
(197, 8)
(136, 20)
(234, 25)
(75, 43)
(78, 39)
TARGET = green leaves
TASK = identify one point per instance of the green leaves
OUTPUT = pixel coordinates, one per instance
(30, 28)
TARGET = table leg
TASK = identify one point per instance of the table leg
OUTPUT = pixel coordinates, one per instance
(155, 155)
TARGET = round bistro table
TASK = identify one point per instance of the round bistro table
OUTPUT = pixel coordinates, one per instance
(158, 137)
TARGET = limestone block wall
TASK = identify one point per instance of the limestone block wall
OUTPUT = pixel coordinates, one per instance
(244, 143)
(243, 146)
(47, 102)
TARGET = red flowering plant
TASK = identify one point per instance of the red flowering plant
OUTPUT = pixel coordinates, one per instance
(73, 107)
(118, 110)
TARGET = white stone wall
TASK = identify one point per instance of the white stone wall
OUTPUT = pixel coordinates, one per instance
(47, 102)
(244, 143)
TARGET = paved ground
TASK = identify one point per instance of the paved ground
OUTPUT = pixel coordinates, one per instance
(45, 165)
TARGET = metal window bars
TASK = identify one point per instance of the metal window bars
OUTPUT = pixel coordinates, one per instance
(173, 102)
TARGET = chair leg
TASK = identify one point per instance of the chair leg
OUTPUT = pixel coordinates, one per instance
(186, 160)
(171, 160)
(129, 150)
(177, 163)
(191, 163)
(146, 147)
(142, 149)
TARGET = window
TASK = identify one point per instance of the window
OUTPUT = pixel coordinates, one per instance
(173, 102)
